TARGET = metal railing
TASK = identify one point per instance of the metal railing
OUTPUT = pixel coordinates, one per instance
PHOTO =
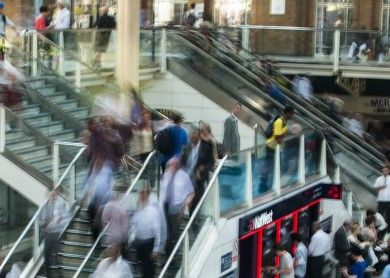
(34, 220)
(129, 190)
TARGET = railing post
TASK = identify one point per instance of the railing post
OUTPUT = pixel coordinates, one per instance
(336, 51)
(34, 71)
(245, 38)
(248, 179)
(323, 168)
(185, 261)
(163, 51)
(277, 178)
(216, 211)
(61, 55)
(302, 166)
(78, 75)
(56, 163)
(2, 129)
(72, 185)
(349, 203)
(337, 177)
(36, 240)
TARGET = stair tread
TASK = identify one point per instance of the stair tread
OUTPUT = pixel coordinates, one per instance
(77, 256)
(30, 149)
(74, 231)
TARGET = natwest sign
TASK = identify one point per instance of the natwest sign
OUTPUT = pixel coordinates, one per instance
(260, 220)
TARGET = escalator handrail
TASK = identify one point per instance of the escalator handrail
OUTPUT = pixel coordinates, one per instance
(193, 216)
(290, 94)
(131, 187)
(37, 213)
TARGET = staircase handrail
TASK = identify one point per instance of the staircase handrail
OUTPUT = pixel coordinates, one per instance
(133, 184)
(37, 213)
(193, 216)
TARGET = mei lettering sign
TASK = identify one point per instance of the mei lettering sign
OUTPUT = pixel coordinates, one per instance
(380, 104)
(260, 221)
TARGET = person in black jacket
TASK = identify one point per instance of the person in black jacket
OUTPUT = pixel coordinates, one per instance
(104, 21)
(342, 245)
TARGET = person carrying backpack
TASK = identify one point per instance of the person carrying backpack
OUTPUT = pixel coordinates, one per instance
(275, 133)
(171, 140)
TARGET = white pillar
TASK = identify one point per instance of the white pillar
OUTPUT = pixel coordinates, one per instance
(302, 165)
(248, 179)
(127, 70)
(277, 174)
(34, 54)
(2, 128)
(323, 166)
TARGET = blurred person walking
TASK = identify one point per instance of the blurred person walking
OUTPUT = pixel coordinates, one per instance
(149, 234)
(53, 220)
(41, 22)
(104, 21)
(171, 140)
(303, 87)
(117, 232)
(143, 138)
(382, 186)
(300, 258)
(176, 195)
(318, 247)
(114, 266)
(277, 129)
(61, 18)
(341, 244)
(231, 136)
(5, 21)
(191, 153)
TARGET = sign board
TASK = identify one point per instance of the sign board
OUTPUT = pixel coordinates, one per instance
(278, 7)
(268, 215)
(226, 262)
(380, 104)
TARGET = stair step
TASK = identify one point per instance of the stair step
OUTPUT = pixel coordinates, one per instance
(38, 118)
(41, 162)
(29, 153)
(57, 97)
(20, 143)
(78, 236)
(37, 83)
(51, 127)
(47, 90)
(80, 224)
(75, 260)
(80, 112)
(28, 110)
(68, 104)
(64, 135)
(14, 133)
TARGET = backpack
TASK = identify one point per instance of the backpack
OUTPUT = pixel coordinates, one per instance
(270, 127)
(163, 141)
(191, 19)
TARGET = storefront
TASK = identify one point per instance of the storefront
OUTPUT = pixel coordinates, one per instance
(261, 231)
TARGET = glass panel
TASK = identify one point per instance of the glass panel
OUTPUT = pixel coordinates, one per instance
(232, 178)
(262, 171)
(289, 161)
(312, 153)
(150, 44)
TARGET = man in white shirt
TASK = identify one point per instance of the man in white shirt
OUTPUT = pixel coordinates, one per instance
(176, 195)
(300, 258)
(147, 232)
(62, 18)
(4, 21)
(286, 266)
(303, 87)
(382, 186)
(380, 222)
(318, 247)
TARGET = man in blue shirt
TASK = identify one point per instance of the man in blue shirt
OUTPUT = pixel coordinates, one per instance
(359, 266)
(178, 137)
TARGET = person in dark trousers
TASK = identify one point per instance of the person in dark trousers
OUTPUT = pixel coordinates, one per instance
(318, 247)
(231, 136)
(342, 245)
(104, 21)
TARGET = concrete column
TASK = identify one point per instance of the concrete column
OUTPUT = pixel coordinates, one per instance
(127, 59)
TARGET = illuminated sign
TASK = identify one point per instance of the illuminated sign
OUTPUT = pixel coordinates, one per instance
(261, 220)
(268, 215)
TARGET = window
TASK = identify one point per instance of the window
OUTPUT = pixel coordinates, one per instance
(385, 24)
(331, 14)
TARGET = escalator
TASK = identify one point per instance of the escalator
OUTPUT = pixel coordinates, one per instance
(228, 81)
